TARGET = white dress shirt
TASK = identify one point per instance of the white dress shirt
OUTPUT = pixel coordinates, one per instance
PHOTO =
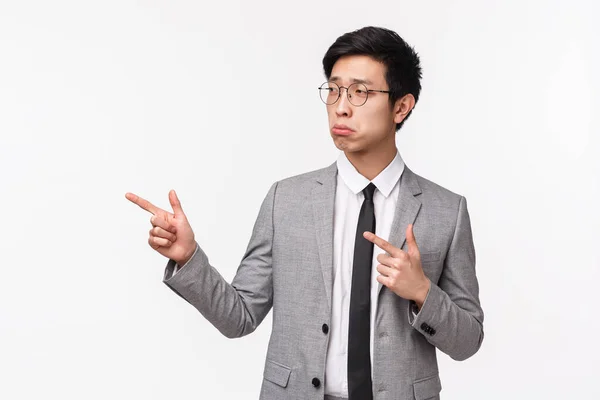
(348, 201)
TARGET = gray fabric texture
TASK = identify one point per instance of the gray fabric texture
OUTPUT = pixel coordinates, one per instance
(287, 267)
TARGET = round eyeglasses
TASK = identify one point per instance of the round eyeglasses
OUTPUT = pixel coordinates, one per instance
(357, 93)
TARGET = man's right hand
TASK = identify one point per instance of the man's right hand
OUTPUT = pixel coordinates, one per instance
(171, 234)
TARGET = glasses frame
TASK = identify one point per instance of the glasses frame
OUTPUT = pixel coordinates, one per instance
(367, 90)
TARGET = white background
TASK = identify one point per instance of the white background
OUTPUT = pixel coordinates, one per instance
(218, 101)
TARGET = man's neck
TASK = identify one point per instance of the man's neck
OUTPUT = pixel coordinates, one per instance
(370, 164)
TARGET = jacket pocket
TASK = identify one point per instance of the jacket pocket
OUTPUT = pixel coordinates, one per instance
(432, 256)
(277, 373)
(427, 388)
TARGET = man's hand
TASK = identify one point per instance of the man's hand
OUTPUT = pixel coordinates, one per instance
(400, 270)
(171, 234)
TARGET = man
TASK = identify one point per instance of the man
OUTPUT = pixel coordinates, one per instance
(349, 322)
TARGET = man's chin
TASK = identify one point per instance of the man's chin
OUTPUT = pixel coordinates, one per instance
(344, 143)
(341, 145)
(348, 147)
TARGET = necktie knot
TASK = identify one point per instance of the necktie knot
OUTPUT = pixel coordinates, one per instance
(368, 191)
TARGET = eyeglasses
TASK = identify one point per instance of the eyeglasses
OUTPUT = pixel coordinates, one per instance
(357, 93)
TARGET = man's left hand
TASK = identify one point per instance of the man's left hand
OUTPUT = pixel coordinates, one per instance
(400, 270)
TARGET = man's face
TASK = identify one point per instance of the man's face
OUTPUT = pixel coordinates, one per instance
(371, 125)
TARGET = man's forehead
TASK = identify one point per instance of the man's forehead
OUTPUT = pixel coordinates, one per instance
(358, 69)
(351, 79)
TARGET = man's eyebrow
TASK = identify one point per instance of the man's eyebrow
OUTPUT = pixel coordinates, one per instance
(354, 80)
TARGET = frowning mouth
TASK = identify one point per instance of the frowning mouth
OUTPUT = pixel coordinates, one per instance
(342, 130)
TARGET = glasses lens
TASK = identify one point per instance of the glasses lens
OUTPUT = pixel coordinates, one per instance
(329, 92)
(357, 94)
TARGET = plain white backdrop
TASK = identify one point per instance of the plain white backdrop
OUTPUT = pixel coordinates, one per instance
(218, 101)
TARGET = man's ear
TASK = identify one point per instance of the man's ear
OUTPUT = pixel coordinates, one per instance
(402, 107)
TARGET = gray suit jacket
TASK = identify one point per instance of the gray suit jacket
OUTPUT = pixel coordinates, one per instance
(288, 266)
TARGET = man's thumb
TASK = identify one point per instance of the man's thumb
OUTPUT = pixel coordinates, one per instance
(175, 204)
(411, 241)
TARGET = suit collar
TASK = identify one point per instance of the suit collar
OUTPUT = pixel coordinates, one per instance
(327, 177)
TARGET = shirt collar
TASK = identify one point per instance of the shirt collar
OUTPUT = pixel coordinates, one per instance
(385, 181)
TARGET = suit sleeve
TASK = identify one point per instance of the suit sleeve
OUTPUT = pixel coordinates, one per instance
(451, 317)
(238, 308)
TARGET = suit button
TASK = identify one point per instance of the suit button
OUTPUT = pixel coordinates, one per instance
(424, 326)
(432, 331)
(316, 382)
(325, 328)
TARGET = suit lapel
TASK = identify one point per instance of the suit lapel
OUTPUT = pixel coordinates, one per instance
(407, 208)
(323, 200)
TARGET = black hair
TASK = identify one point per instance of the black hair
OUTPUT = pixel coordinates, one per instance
(403, 67)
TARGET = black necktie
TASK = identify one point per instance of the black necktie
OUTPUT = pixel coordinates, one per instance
(359, 359)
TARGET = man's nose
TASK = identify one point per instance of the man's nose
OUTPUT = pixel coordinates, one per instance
(342, 106)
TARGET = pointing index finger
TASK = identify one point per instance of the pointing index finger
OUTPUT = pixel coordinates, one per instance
(143, 203)
(381, 243)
